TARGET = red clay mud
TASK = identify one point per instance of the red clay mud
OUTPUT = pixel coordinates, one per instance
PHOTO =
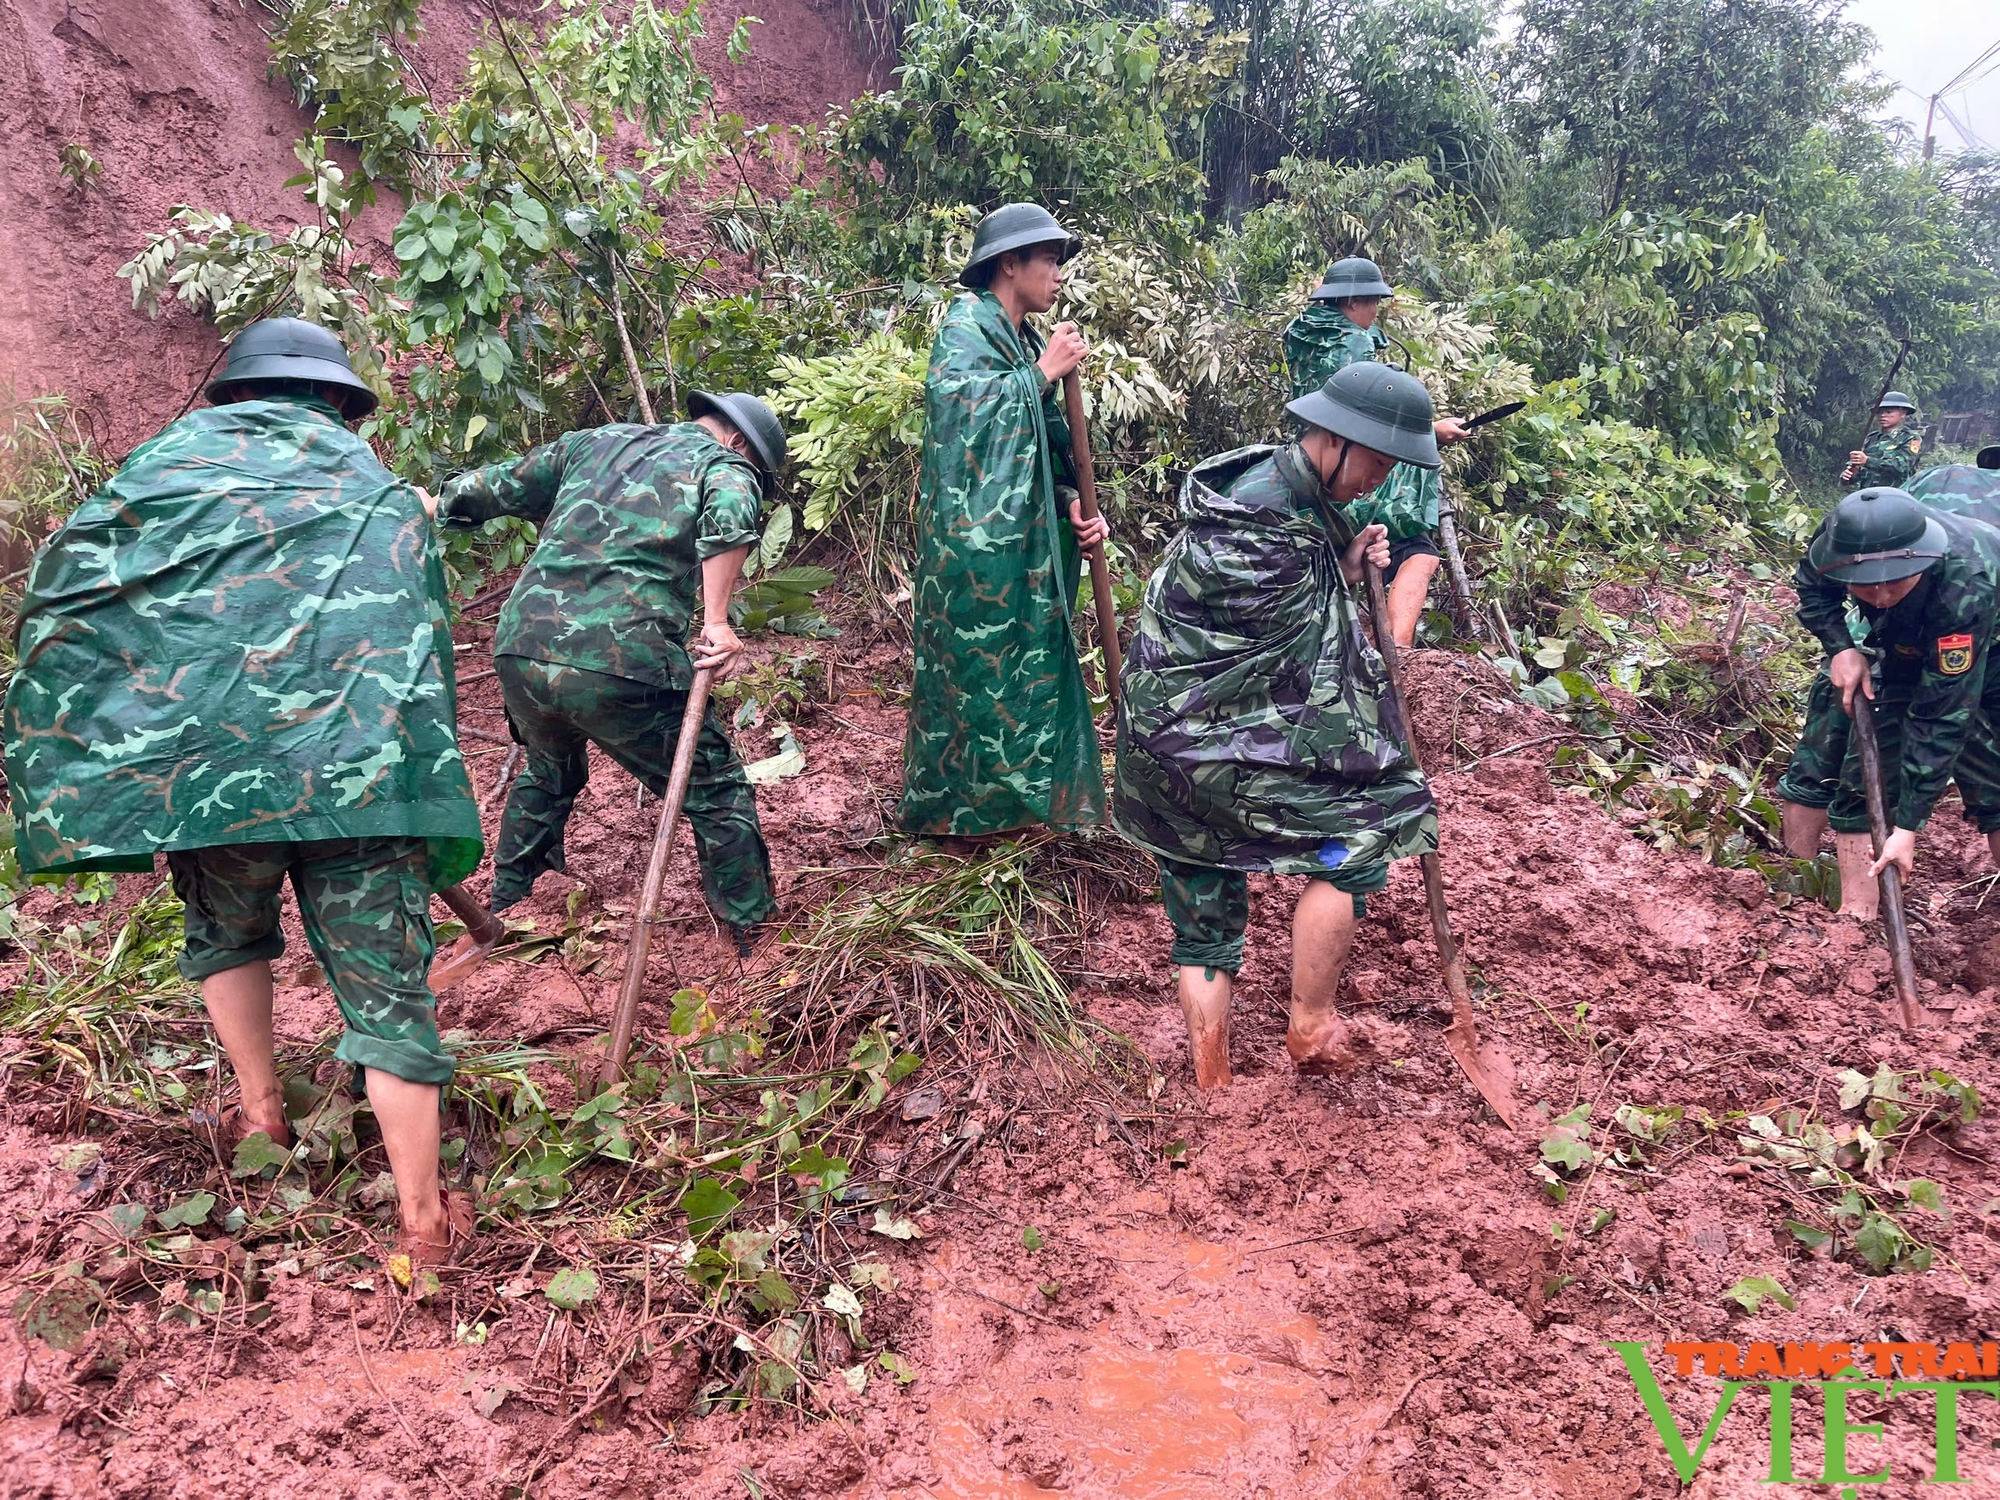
(1291, 1287)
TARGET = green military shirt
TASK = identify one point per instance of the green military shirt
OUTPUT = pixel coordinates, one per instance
(1255, 730)
(1939, 636)
(243, 638)
(1319, 343)
(628, 514)
(1892, 456)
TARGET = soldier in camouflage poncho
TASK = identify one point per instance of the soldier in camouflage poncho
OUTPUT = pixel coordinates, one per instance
(999, 734)
(1887, 457)
(1924, 584)
(1254, 730)
(590, 643)
(1337, 328)
(239, 653)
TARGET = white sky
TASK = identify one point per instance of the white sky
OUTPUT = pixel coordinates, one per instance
(1924, 43)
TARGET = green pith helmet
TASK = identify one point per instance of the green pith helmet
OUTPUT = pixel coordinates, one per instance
(293, 349)
(1988, 457)
(749, 416)
(1357, 276)
(1878, 535)
(1013, 226)
(1895, 400)
(1379, 407)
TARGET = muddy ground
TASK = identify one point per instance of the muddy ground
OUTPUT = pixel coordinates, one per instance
(1296, 1287)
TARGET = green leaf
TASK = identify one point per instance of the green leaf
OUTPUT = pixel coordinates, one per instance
(257, 1153)
(707, 1203)
(189, 1214)
(1031, 1238)
(1880, 1241)
(1564, 1144)
(127, 1218)
(1924, 1193)
(1805, 1234)
(1750, 1292)
(571, 1287)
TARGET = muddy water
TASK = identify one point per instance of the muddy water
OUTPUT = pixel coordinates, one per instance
(1239, 1405)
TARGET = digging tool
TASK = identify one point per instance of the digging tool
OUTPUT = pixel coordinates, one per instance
(1498, 414)
(1893, 922)
(483, 931)
(656, 876)
(1100, 571)
(1490, 1068)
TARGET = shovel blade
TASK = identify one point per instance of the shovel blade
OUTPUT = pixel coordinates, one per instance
(466, 955)
(1489, 1068)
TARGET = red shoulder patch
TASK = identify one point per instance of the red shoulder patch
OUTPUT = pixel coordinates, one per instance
(1954, 654)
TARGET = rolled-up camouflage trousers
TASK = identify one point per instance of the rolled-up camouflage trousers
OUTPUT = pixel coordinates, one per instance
(557, 713)
(367, 910)
(1825, 769)
(1814, 773)
(1210, 906)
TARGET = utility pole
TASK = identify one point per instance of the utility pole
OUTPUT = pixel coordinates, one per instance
(1930, 115)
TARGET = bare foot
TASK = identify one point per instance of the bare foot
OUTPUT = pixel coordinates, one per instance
(1325, 1050)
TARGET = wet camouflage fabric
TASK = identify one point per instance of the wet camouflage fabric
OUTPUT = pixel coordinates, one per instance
(366, 907)
(242, 638)
(999, 733)
(1254, 727)
(557, 713)
(1931, 674)
(1322, 341)
(1813, 773)
(628, 514)
(1210, 908)
(1892, 456)
(1961, 489)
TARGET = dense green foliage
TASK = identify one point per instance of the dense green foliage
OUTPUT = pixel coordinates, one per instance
(1670, 225)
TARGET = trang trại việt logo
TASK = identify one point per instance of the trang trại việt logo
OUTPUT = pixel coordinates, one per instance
(1884, 1370)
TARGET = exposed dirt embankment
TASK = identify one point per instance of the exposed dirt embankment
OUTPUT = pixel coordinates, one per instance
(173, 100)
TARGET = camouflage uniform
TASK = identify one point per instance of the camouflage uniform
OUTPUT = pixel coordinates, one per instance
(1320, 341)
(366, 908)
(1814, 772)
(1254, 727)
(628, 516)
(999, 734)
(1936, 705)
(238, 652)
(1892, 456)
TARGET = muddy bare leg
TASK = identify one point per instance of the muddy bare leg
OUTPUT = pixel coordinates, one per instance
(1205, 995)
(239, 1007)
(1409, 591)
(1322, 935)
(1860, 895)
(1803, 828)
(408, 1115)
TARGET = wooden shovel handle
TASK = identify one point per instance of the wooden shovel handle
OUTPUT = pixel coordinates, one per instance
(1897, 927)
(1100, 571)
(627, 1014)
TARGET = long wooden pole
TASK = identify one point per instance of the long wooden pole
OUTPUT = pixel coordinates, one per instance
(1492, 1073)
(1100, 571)
(1461, 586)
(627, 1014)
(1893, 921)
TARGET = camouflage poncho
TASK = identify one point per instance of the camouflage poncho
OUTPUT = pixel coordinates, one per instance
(1961, 490)
(242, 638)
(999, 732)
(1892, 456)
(1319, 343)
(1932, 649)
(628, 515)
(1255, 730)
